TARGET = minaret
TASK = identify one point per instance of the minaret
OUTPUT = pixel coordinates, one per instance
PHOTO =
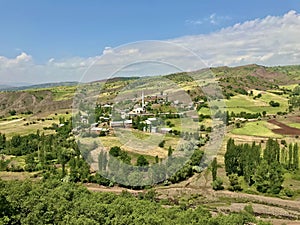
(143, 102)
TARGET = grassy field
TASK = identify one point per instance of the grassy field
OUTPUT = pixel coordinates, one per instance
(296, 125)
(184, 124)
(289, 87)
(17, 125)
(240, 103)
(258, 128)
(291, 181)
(58, 93)
(204, 111)
(63, 93)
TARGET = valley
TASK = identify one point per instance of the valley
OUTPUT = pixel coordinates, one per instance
(127, 129)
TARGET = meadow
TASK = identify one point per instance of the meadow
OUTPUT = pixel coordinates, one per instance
(257, 128)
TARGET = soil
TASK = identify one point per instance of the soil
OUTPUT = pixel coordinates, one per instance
(284, 129)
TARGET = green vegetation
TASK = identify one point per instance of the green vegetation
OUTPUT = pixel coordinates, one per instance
(36, 143)
(258, 128)
(266, 173)
(240, 103)
(55, 202)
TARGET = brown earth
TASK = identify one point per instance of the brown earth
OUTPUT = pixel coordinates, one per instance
(284, 129)
(294, 119)
(37, 101)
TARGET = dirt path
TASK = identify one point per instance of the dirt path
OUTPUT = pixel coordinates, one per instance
(286, 211)
(11, 121)
(116, 190)
(174, 190)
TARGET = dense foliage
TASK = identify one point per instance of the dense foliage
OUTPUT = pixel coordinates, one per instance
(266, 170)
(56, 202)
(245, 160)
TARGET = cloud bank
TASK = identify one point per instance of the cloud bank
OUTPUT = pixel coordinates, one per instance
(269, 41)
(273, 40)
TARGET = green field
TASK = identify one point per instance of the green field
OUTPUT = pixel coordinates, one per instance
(258, 128)
(63, 93)
(59, 93)
(17, 125)
(295, 125)
(243, 103)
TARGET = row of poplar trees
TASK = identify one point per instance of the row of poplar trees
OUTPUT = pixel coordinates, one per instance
(264, 168)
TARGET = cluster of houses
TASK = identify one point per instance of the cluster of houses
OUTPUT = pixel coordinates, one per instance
(151, 124)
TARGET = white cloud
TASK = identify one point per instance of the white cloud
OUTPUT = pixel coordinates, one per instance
(273, 40)
(19, 60)
(270, 41)
(194, 22)
(107, 50)
(212, 19)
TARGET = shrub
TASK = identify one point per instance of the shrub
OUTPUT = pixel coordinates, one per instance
(217, 184)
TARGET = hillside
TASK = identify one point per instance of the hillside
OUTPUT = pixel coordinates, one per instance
(38, 139)
(233, 80)
(31, 101)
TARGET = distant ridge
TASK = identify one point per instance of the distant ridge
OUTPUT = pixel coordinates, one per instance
(37, 86)
(6, 87)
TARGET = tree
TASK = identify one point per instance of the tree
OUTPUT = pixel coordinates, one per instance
(125, 157)
(64, 155)
(142, 161)
(170, 151)
(30, 163)
(16, 141)
(295, 157)
(161, 144)
(100, 160)
(250, 158)
(115, 151)
(214, 166)
(272, 151)
(232, 156)
(12, 112)
(2, 141)
(290, 163)
(274, 104)
(269, 177)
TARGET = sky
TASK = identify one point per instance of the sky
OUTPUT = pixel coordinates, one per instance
(52, 41)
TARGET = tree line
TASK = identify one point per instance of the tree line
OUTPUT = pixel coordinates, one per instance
(263, 168)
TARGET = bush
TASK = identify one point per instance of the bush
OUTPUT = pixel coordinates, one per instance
(274, 104)
(115, 151)
(234, 183)
(288, 192)
(217, 184)
(12, 112)
(162, 144)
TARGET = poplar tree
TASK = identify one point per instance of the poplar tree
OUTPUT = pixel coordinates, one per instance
(290, 156)
(295, 157)
(214, 166)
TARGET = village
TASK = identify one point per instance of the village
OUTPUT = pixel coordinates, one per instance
(145, 113)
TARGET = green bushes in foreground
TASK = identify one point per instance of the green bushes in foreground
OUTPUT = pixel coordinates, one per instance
(56, 202)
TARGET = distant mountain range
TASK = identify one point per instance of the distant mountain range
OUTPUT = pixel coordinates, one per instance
(25, 86)
(249, 76)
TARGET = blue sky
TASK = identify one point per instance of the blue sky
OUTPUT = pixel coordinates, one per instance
(62, 29)
(40, 32)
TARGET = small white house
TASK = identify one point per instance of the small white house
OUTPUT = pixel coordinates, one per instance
(165, 130)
